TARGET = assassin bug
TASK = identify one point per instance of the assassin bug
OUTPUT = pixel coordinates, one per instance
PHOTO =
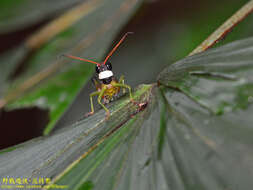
(108, 87)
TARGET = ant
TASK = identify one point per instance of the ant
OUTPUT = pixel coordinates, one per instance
(108, 87)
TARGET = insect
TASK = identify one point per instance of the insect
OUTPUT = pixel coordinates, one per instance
(108, 87)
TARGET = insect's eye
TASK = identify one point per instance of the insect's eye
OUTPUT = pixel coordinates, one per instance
(108, 65)
(97, 69)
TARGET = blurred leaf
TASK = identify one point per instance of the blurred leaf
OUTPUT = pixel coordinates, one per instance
(8, 64)
(61, 80)
(19, 14)
(175, 142)
(196, 28)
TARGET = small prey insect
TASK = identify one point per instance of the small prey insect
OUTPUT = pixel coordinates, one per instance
(108, 87)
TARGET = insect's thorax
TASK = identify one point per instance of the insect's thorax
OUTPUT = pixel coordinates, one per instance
(111, 91)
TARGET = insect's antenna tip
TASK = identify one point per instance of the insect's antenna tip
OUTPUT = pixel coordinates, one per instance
(64, 55)
(60, 56)
(116, 46)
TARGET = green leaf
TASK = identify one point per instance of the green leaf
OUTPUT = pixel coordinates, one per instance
(60, 80)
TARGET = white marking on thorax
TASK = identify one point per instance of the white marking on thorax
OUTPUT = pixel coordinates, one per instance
(105, 74)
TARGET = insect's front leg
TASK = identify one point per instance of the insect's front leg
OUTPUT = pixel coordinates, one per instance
(99, 101)
(91, 102)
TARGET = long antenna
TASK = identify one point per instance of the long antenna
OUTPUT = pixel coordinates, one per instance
(116, 46)
(81, 59)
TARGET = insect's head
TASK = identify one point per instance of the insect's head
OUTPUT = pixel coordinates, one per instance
(104, 72)
(104, 69)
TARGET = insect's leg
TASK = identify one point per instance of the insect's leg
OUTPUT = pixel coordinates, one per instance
(99, 101)
(125, 86)
(122, 81)
(91, 102)
(130, 94)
